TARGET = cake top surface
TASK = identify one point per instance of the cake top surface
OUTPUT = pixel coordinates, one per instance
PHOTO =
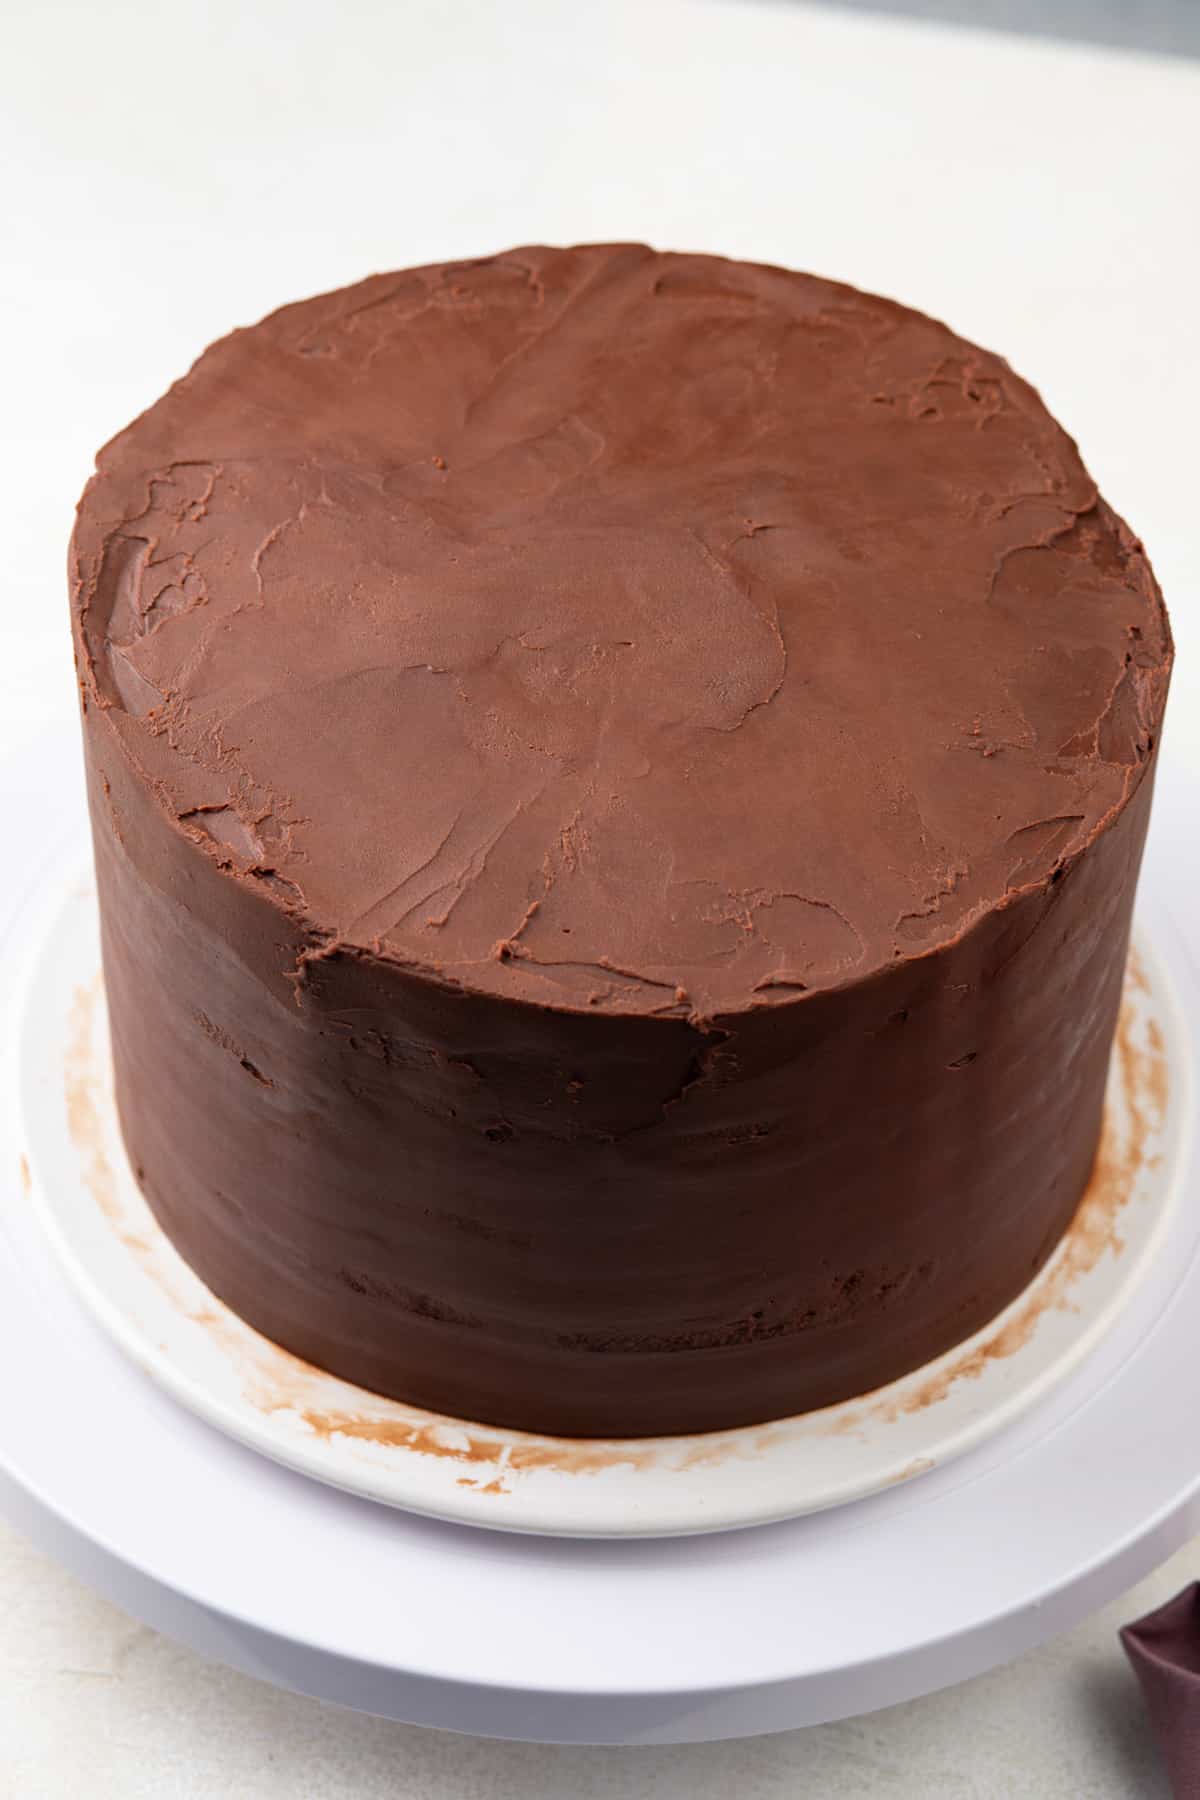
(614, 629)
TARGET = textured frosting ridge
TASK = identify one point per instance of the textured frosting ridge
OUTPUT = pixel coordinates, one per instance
(618, 630)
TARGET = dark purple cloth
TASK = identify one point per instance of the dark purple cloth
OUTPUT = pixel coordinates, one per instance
(1164, 1648)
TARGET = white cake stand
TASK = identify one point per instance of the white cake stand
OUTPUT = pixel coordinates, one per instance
(567, 1640)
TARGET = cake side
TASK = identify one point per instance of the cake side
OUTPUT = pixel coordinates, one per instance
(597, 1225)
(612, 940)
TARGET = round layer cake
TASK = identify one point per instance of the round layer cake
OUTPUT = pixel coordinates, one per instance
(618, 782)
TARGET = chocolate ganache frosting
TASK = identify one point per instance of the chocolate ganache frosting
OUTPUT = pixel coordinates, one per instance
(618, 782)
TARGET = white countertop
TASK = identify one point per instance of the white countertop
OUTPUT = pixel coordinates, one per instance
(183, 170)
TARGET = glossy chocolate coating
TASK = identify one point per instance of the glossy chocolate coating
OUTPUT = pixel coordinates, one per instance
(618, 782)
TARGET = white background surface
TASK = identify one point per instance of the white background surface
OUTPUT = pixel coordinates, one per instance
(171, 172)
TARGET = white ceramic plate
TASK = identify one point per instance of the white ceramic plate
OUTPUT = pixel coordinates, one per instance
(142, 1292)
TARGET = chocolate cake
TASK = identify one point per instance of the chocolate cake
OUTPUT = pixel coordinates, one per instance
(618, 782)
